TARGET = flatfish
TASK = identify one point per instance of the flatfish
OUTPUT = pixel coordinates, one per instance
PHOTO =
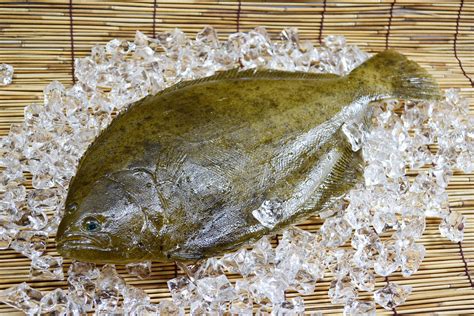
(209, 165)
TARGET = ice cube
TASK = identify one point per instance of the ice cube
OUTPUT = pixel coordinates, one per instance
(335, 232)
(392, 295)
(6, 74)
(167, 307)
(208, 36)
(133, 297)
(109, 286)
(411, 258)
(388, 259)
(55, 302)
(182, 290)
(270, 286)
(141, 270)
(47, 268)
(6, 234)
(341, 291)
(364, 279)
(359, 308)
(22, 297)
(452, 226)
(293, 306)
(30, 243)
(243, 303)
(216, 289)
(269, 213)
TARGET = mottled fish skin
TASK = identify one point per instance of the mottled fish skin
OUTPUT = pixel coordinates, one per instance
(180, 175)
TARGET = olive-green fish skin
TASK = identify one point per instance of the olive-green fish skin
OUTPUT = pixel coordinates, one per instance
(187, 173)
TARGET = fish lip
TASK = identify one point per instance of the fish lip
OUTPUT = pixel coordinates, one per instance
(78, 240)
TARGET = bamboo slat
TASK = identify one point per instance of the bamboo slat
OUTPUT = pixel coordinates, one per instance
(35, 39)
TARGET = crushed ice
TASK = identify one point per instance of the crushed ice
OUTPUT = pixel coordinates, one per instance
(54, 135)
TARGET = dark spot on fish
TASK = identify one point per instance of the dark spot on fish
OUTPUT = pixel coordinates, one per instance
(272, 103)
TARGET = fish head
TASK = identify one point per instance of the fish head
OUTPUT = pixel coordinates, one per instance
(107, 222)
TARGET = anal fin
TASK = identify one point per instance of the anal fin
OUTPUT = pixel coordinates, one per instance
(346, 173)
(334, 175)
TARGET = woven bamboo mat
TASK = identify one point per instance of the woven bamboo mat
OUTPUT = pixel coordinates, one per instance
(40, 38)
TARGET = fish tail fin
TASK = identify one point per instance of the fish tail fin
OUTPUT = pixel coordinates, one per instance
(391, 73)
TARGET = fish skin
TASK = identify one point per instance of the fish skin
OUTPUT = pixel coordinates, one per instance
(178, 176)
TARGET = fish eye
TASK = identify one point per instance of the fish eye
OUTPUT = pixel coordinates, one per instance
(91, 224)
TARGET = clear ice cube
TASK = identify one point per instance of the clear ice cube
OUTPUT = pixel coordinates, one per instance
(411, 258)
(182, 290)
(271, 287)
(30, 243)
(22, 297)
(359, 308)
(363, 279)
(452, 226)
(269, 213)
(148, 310)
(109, 286)
(46, 268)
(216, 289)
(388, 259)
(6, 235)
(6, 74)
(243, 303)
(133, 297)
(335, 232)
(167, 307)
(342, 291)
(392, 295)
(141, 270)
(55, 302)
(293, 306)
(209, 267)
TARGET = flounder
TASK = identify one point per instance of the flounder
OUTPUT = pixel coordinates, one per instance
(209, 165)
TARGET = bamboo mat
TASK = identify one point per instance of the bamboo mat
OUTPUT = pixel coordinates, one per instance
(40, 38)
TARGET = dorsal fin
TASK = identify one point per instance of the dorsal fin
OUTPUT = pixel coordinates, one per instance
(236, 73)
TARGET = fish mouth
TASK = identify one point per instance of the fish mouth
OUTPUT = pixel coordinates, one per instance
(72, 241)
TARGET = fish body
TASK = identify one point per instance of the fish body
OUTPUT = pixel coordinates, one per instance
(206, 166)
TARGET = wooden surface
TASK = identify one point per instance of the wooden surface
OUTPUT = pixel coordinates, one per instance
(35, 37)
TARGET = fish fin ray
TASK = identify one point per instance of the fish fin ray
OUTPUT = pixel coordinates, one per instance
(345, 174)
(237, 73)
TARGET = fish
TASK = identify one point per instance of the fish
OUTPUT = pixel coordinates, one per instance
(213, 164)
